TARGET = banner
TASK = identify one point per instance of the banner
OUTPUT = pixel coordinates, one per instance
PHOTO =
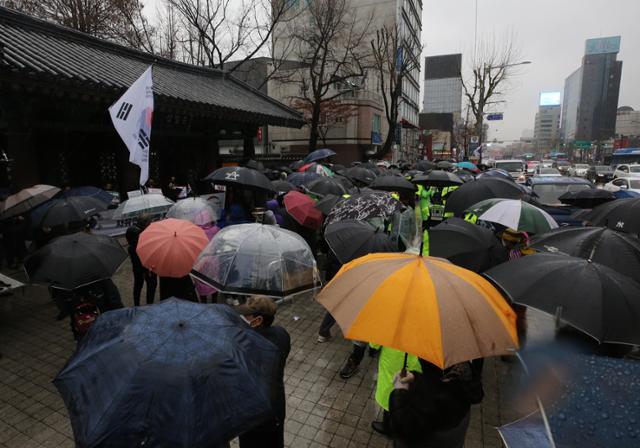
(131, 116)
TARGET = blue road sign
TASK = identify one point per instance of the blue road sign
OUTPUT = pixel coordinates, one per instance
(495, 117)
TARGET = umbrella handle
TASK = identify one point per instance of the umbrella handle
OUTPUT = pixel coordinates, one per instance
(403, 372)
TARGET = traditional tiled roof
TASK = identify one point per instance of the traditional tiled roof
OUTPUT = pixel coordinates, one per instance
(34, 49)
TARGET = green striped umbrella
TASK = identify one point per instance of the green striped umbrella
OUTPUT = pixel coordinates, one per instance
(515, 214)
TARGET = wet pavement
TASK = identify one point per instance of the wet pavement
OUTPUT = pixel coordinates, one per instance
(323, 410)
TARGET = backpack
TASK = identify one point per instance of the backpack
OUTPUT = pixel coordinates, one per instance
(83, 316)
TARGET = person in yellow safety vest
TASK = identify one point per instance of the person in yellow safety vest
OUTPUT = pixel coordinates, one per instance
(446, 191)
(424, 200)
(471, 217)
(390, 362)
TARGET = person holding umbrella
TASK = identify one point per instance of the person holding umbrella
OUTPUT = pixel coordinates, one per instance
(259, 312)
(141, 275)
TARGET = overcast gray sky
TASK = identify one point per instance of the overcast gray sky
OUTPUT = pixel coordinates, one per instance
(551, 34)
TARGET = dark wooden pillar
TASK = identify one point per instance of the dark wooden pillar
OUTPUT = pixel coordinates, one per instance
(211, 151)
(20, 139)
(248, 134)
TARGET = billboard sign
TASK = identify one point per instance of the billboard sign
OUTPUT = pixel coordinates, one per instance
(495, 117)
(603, 45)
(550, 98)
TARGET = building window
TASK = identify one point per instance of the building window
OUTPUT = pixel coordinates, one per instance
(376, 123)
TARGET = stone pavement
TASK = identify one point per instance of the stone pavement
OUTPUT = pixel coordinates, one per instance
(322, 409)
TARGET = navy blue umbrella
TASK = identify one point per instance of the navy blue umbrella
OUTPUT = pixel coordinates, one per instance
(94, 192)
(583, 401)
(319, 154)
(299, 179)
(176, 374)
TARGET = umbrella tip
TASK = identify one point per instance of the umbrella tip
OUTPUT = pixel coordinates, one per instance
(175, 233)
(181, 324)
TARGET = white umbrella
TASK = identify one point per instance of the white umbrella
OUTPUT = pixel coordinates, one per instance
(515, 214)
(196, 210)
(151, 204)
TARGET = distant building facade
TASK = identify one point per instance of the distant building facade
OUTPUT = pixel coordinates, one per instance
(546, 134)
(443, 84)
(628, 122)
(592, 91)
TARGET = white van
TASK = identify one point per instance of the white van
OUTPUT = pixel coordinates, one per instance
(516, 168)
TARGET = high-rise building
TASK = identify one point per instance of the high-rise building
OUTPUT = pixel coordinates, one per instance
(363, 131)
(442, 84)
(592, 91)
(546, 134)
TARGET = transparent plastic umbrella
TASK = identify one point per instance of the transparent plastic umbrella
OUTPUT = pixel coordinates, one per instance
(151, 204)
(197, 210)
(257, 259)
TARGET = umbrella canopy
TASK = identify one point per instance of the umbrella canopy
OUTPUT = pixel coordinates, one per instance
(316, 168)
(59, 212)
(424, 306)
(300, 179)
(282, 186)
(622, 215)
(360, 174)
(471, 193)
(591, 297)
(319, 154)
(196, 210)
(173, 374)
(326, 204)
(71, 261)
(26, 199)
(587, 198)
(515, 214)
(146, 204)
(302, 208)
(257, 259)
(169, 247)
(92, 192)
(323, 186)
(467, 165)
(467, 245)
(497, 173)
(619, 251)
(426, 165)
(585, 399)
(240, 176)
(444, 165)
(466, 176)
(392, 183)
(438, 178)
(352, 239)
(365, 206)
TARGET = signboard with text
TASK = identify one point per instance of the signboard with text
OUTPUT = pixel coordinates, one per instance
(550, 98)
(602, 45)
(495, 117)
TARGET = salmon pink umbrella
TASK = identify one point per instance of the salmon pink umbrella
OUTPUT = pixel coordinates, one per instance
(302, 208)
(169, 247)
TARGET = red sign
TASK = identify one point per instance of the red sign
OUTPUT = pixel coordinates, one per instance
(259, 135)
(621, 143)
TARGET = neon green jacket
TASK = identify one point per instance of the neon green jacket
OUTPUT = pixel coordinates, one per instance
(390, 362)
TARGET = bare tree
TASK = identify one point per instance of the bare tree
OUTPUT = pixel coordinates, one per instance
(118, 20)
(220, 31)
(333, 114)
(395, 57)
(494, 65)
(331, 45)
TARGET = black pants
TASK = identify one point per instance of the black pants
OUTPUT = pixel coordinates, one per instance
(140, 276)
(268, 435)
(325, 326)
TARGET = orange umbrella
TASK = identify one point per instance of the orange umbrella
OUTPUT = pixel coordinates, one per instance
(424, 306)
(170, 247)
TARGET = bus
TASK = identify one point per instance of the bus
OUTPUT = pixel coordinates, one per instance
(625, 155)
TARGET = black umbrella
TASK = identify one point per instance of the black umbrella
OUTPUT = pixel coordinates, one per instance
(465, 175)
(426, 165)
(471, 246)
(336, 167)
(175, 374)
(327, 203)
(323, 186)
(319, 154)
(591, 297)
(364, 206)
(240, 176)
(351, 239)
(71, 261)
(587, 198)
(438, 178)
(413, 173)
(255, 165)
(622, 215)
(299, 179)
(392, 182)
(619, 251)
(445, 165)
(282, 186)
(59, 212)
(471, 193)
(360, 174)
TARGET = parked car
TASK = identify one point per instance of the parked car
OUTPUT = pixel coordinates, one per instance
(547, 163)
(550, 188)
(624, 183)
(627, 170)
(531, 166)
(578, 169)
(514, 167)
(562, 166)
(599, 174)
(547, 172)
